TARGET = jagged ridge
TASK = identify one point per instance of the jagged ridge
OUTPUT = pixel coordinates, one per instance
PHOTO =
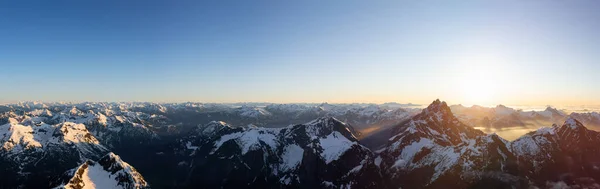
(108, 172)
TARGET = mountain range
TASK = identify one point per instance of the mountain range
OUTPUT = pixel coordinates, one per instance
(195, 145)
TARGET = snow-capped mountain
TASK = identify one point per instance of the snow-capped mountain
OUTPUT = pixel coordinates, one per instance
(32, 153)
(109, 124)
(143, 133)
(103, 117)
(252, 112)
(319, 154)
(39, 145)
(434, 149)
(19, 138)
(567, 154)
(109, 172)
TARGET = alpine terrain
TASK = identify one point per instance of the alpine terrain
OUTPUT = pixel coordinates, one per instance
(195, 145)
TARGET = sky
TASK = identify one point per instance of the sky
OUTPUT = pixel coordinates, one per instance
(469, 52)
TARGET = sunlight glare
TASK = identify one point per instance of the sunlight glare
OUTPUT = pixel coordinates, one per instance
(482, 79)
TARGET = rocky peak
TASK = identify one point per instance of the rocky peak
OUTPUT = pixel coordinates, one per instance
(438, 123)
(113, 163)
(573, 123)
(73, 111)
(570, 127)
(554, 112)
(437, 110)
(438, 106)
(572, 132)
(218, 123)
(323, 126)
(109, 172)
(213, 127)
(74, 133)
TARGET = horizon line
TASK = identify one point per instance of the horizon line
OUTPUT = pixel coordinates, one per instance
(409, 104)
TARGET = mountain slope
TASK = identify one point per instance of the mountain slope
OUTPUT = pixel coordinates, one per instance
(33, 152)
(568, 153)
(434, 149)
(109, 172)
(318, 154)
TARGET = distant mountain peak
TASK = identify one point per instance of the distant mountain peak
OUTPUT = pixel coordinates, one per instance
(18, 137)
(327, 124)
(324, 120)
(437, 102)
(74, 133)
(501, 106)
(213, 127)
(554, 110)
(219, 123)
(572, 123)
(436, 122)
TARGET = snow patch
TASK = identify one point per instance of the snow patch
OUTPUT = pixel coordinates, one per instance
(411, 150)
(291, 157)
(96, 177)
(378, 161)
(189, 146)
(251, 139)
(14, 135)
(334, 145)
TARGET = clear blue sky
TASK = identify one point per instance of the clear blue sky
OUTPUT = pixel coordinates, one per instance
(510, 52)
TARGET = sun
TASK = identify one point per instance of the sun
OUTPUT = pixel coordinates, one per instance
(478, 87)
(482, 80)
